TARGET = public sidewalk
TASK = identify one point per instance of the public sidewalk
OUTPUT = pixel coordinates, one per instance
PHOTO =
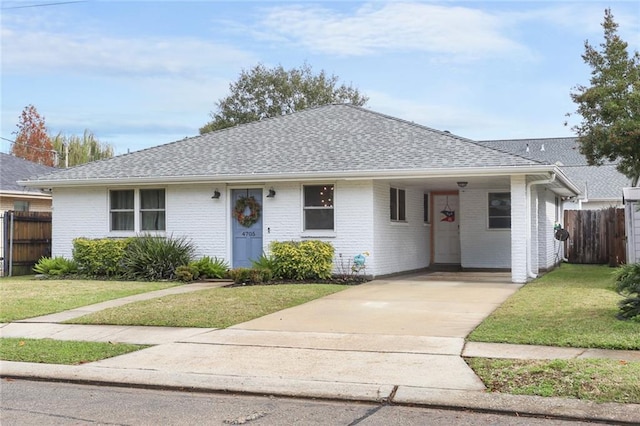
(280, 354)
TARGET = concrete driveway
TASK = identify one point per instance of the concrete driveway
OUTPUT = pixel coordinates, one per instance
(441, 304)
(405, 333)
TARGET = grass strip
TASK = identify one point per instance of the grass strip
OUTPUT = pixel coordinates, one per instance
(600, 380)
(572, 306)
(26, 297)
(48, 351)
(214, 308)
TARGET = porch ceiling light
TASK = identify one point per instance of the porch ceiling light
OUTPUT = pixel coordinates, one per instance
(462, 184)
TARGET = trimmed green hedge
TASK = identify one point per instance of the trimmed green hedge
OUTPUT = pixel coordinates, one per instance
(101, 257)
(302, 260)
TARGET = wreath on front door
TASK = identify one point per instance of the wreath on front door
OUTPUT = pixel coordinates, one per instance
(254, 211)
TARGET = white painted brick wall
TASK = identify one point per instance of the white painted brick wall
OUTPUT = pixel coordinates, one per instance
(633, 234)
(399, 246)
(77, 212)
(518, 230)
(192, 213)
(548, 253)
(482, 247)
(353, 216)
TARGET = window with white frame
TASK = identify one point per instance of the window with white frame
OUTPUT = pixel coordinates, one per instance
(121, 210)
(150, 208)
(499, 210)
(397, 204)
(318, 207)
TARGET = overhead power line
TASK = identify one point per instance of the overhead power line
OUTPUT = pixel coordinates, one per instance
(43, 4)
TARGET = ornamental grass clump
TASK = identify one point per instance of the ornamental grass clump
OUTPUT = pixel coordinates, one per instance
(154, 258)
(628, 285)
(55, 266)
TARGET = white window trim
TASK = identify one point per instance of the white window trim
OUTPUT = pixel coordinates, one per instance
(398, 189)
(137, 213)
(497, 191)
(318, 233)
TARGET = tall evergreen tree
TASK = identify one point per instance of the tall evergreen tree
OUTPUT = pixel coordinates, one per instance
(610, 105)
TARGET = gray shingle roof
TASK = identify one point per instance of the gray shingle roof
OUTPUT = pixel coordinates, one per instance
(13, 169)
(596, 182)
(332, 138)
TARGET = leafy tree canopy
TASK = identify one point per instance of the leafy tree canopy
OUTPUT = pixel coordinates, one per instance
(262, 93)
(32, 141)
(610, 106)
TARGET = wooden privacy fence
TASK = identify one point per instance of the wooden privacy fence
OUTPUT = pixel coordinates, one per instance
(26, 237)
(595, 236)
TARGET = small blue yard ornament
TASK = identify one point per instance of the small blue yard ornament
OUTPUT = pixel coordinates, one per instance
(359, 260)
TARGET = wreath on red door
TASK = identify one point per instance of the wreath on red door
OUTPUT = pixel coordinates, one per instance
(254, 211)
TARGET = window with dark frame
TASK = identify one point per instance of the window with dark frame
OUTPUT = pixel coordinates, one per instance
(152, 210)
(499, 210)
(318, 207)
(121, 209)
(427, 219)
(397, 204)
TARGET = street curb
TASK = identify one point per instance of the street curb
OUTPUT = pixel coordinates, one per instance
(534, 406)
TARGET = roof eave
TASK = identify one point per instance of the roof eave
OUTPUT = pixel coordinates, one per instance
(315, 175)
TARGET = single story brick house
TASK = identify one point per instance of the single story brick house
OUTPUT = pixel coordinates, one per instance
(411, 196)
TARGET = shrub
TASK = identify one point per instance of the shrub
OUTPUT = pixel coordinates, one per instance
(100, 257)
(250, 276)
(302, 260)
(264, 262)
(55, 266)
(153, 258)
(628, 285)
(211, 268)
(187, 273)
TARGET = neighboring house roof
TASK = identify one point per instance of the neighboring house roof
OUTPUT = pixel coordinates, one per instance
(332, 140)
(595, 182)
(13, 169)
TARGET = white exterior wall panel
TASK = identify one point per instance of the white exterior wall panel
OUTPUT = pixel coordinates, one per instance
(399, 246)
(192, 213)
(548, 254)
(77, 212)
(518, 230)
(480, 246)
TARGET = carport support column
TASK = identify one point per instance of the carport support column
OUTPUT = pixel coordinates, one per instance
(519, 229)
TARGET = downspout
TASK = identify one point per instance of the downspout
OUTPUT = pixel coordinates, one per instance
(530, 272)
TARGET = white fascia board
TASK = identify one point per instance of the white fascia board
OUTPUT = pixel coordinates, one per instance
(25, 194)
(631, 194)
(307, 176)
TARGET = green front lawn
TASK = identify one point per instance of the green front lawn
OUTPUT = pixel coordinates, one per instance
(601, 380)
(574, 305)
(214, 308)
(26, 297)
(49, 351)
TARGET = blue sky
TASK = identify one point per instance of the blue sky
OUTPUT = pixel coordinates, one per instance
(139, 74)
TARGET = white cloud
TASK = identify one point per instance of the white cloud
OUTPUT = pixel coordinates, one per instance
(459, 33)
(37, 51)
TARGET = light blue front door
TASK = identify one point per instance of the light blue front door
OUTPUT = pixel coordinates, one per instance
(247, 238)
